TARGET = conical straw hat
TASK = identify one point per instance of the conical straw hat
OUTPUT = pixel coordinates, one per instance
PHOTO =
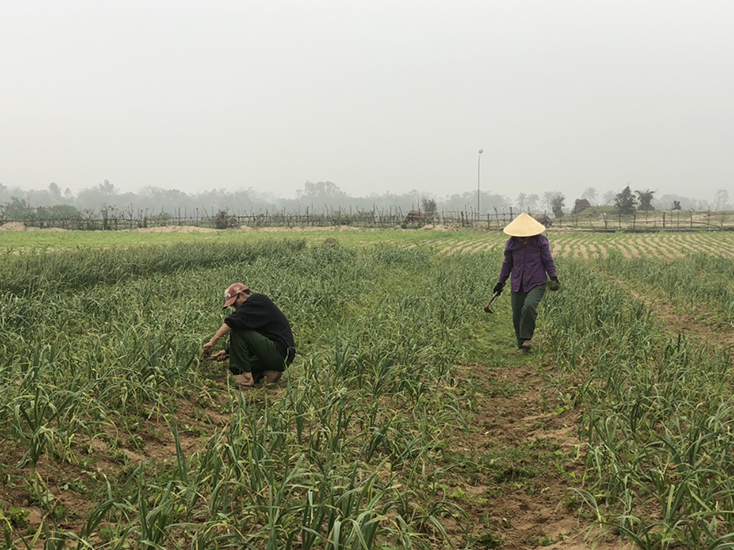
(524, 226)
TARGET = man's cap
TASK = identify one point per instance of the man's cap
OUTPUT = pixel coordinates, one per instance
(230, 295)
(524, 226)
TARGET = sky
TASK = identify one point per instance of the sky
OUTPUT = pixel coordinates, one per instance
(375, 96)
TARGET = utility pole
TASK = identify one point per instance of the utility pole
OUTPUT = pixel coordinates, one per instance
(479, 164)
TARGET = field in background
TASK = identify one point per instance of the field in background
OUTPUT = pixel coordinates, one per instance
(408, 420)
(444, 241)
(601, 218)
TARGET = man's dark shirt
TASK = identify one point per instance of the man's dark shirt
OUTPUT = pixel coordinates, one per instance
(260, 314)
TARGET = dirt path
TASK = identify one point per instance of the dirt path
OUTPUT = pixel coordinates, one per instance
(525, 456)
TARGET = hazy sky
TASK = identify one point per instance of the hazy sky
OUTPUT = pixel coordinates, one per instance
(374, 96)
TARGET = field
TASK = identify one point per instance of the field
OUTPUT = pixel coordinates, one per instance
(408, 420)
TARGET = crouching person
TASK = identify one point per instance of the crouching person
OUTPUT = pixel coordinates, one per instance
(261, 342)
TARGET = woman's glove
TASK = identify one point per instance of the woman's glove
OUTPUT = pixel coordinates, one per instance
(554, 284)
(498, 288)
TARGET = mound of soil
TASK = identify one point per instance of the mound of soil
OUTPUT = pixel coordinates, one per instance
(15, 226)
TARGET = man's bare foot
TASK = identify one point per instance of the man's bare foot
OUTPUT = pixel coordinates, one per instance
(244, 380)
(272, 376)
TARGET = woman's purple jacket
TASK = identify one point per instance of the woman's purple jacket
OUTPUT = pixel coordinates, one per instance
(528, 263)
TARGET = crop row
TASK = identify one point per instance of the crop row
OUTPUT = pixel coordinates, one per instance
(657, 407)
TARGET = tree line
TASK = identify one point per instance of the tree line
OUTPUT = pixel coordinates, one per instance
(317, 197)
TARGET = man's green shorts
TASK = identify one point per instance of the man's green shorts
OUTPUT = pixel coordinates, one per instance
(250, 351)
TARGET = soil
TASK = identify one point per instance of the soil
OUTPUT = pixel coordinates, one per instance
(17, 226)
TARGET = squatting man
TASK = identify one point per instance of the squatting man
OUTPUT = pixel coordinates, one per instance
(261, 343)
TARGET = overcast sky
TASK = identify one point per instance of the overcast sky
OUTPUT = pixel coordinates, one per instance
(374, 96)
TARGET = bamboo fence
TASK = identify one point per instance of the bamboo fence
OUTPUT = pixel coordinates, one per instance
(111, 219)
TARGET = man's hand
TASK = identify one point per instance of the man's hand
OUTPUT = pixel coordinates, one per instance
(221, 333)
(219, 356)
(208, 347)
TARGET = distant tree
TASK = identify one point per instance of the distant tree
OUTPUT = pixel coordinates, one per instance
(19, 209)
(589, 194)
(532, 201)
(609, 197)
(458, 202)
(55, 191)
(721, 198)
(521, 201)
(625, 201)
(645, 197)
(107, 187)
(222, 220)
(428, 205)
(557, 205)
(156, 198)
(58, 212)
(666, 201)
(548, 198)
(676, 205)
(322, 190)
(105, 193)
(64, 212)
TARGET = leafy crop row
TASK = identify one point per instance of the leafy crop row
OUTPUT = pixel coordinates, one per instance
(658, 407)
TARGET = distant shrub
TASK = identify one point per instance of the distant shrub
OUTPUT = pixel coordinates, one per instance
(223, 220)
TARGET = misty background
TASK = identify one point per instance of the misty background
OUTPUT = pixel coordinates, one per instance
(319, 197)
(269, 105)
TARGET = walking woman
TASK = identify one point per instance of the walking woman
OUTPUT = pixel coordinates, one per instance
(528, 258)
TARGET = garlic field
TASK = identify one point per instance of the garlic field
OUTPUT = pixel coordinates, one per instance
(408, 419)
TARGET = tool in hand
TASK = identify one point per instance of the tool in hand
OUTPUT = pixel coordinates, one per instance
(488, 307)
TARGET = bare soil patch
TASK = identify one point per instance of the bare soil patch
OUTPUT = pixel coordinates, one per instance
(16, 226)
